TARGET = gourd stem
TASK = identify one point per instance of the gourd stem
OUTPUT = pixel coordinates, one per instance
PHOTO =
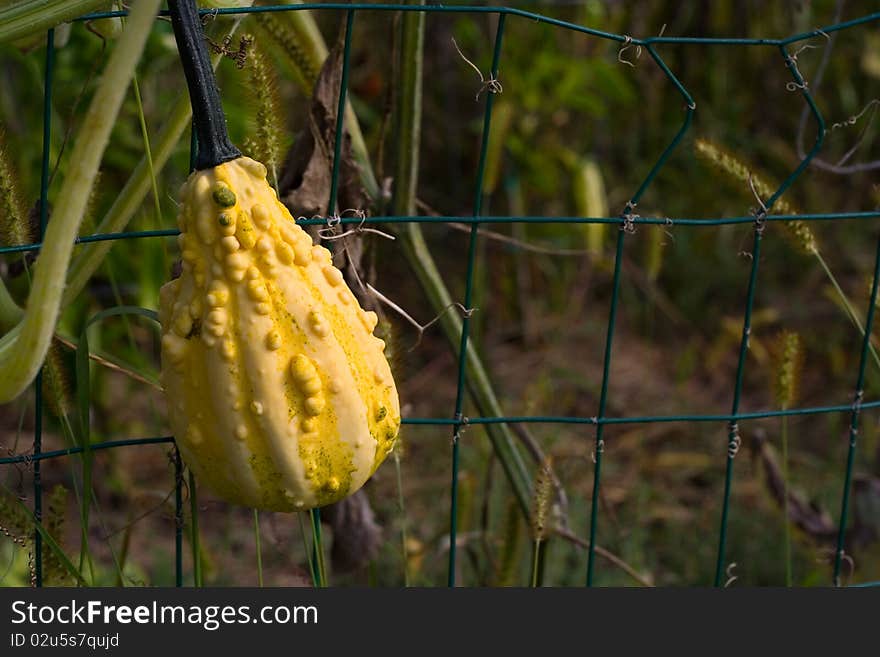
(208, 118)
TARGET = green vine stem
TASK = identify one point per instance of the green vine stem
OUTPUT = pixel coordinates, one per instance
(23, 349)
(10, 313)
(22, 19)
(504, 443)
(409, 112)
(412, 241)
(120, 213)
(128, 201)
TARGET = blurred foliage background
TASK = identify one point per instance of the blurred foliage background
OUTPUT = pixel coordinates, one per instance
(576, 129)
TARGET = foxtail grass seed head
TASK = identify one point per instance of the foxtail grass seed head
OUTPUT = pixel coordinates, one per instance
(399, 449)
(803, 236)
(14, 521)
(54, 572)
(226, 4)
(266, 142)
(788, 368)
(14, 226)
(541, 501)
(798, 231)
(286, 44)
(56, 382)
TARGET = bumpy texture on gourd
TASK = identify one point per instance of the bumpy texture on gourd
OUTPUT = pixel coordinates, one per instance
(279, 395)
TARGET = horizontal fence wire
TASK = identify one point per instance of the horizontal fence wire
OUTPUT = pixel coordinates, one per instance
(627, 220)
(669, 222)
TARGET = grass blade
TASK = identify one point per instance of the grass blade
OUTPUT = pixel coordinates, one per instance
(83, 399)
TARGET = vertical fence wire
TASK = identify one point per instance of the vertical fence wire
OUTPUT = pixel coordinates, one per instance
(48, 79)
(599, 447)
(627, 218)
(764, 207)
(340, 113)
(468, 299)
(178, 517)
(854, 421)
(626, 222)
(733, 437)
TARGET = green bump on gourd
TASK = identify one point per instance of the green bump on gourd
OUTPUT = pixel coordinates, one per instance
(224, 219)
(223, 196)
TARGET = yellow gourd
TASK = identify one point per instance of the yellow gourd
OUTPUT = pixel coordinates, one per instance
(278, 393)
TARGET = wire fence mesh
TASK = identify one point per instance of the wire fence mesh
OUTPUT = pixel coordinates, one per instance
(627, 221)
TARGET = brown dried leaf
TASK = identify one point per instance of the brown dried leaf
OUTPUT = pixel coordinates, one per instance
(807, 515)
(304, 185)
(356, 536)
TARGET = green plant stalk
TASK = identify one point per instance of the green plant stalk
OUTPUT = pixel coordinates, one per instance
(147, 151)
(117, 298)
(83, 394)
(536, 559)
(127, 202)
(123, 553)
(510, 540)
(258, 548)
(847, 305)
(787, 537)
(85, 554)
(479, 386)
(309, 553)
(22, 19)
(72, 437)
(52, 544)
(409, 111)
(118, 560)
(10, 313)
(419, 257)
(195, 540)
(320, 569)
(22, 355)
(402, 509)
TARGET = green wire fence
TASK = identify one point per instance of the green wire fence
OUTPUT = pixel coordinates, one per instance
(627, 221)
